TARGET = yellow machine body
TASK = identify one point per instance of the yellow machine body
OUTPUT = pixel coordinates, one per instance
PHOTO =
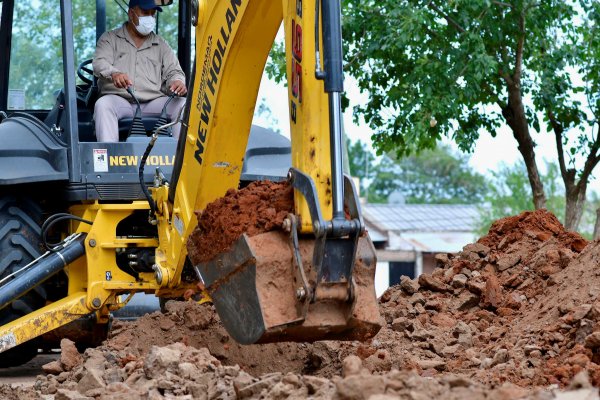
(233, 40)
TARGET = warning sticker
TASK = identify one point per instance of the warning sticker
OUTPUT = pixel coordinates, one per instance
(100, 160)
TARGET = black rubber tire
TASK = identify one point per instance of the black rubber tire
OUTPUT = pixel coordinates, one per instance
(20, 243)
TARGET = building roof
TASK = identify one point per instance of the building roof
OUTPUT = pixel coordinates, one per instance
(422, 217)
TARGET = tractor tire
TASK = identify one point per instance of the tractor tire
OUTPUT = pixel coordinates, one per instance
(20, 243)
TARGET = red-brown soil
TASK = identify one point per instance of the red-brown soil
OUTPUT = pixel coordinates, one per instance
(514, 315)
(260, 207)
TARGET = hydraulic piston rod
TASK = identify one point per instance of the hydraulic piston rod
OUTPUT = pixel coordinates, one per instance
(42, 269)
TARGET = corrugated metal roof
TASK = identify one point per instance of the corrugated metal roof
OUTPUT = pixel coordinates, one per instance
(422, 217)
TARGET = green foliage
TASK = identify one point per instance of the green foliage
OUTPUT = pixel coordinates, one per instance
(36, 58)
(588, 219)
(436, 176)
(275, 67)
(265, 116)
(509, 193)
(434, 69)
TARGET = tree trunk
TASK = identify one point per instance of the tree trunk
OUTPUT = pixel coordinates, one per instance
(597, 225)
(575, 196)
(514, 113)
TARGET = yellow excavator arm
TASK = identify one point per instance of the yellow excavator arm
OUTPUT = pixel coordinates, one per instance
(233, 40)
(323, 271)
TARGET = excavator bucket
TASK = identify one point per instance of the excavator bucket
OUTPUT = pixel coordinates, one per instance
(261, 289)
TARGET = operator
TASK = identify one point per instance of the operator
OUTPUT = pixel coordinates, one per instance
(133, 55)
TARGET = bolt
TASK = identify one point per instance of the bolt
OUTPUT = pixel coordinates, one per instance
(290, 176)
(158, 275)
(316, 226)
(96, 302)
(300, 294)
(92, 242)
(287, 225)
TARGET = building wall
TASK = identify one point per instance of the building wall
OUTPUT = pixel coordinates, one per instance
(428, 262)
(382, 277)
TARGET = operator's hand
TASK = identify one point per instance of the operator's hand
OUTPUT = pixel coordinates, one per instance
(178, 88)
(121, 80)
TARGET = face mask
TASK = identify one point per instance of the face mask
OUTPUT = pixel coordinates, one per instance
(147, 25)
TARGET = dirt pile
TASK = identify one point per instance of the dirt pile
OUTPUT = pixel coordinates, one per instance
(519, 305)
(515, 315)
(178, 371)
(260, 207)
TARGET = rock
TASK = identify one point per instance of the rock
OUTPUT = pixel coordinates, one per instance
(434, 304)
(492, 293)
(380, 361)
(459, 281)
(63, 394)
(254, 390)
(457, 381)
(441, 260)
(429, 282)
(581, 311)
(92, 379)
(476, 285)
(53, 368)
(580, 381)
(593, 340)
(486, 363)
(166, 324)
(359, 387)
(421, 334)
(450, 351)
(549, 269)
(114, 375)
(439, 365)
(462, 332)
(467, 300)
(187, 370)
(242, 380)
(69, 356)
(500, 357)
(443, 320)
(508, 391)
(63, 376)
(159, 359)
(478, 248)
(402, 324)
(532, 349)
(410, 286)
(578, 359)
(94, 358)
(315, 383)
(352, 365)
(417, 298)
(508, 261)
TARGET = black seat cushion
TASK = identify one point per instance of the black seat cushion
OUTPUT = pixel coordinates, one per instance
(150, 123)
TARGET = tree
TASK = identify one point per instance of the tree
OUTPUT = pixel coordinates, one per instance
(36, 58)
(361, 164)
(455, 68)
(509, 194)
(435, 176)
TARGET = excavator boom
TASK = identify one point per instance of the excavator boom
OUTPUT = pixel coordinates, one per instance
(313, 278)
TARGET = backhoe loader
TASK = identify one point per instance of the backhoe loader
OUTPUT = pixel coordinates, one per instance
(84, 225)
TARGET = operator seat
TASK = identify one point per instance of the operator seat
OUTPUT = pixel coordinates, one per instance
(150, 123)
